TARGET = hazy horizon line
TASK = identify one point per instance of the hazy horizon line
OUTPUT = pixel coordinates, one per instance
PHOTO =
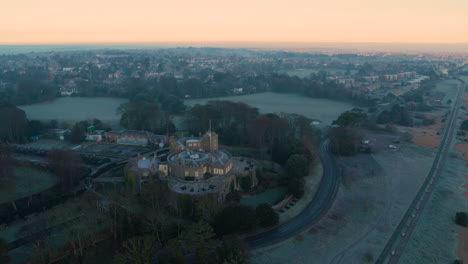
(221, 42)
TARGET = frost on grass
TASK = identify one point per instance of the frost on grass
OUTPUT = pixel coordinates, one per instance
(433, 239)
(374, 195)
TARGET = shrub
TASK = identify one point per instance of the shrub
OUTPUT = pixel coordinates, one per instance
(461, 218)
(236, 218)
(266, 216)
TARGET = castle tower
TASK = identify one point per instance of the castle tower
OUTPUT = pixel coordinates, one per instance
(210, 142)
(173, 144)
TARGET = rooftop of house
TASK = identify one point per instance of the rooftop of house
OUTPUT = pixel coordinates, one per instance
(146, 163)
(192, 158)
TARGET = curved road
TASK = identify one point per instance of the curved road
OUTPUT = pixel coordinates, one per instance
(318, 207)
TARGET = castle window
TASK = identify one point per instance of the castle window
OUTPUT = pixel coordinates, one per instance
(186, 173)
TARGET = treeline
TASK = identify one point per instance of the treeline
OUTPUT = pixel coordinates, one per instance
(398, 115)
(216, 84)
(242, 125)
(29, 90)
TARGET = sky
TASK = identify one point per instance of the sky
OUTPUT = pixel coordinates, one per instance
(153, 21)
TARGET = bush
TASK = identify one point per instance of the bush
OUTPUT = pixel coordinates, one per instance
(296, 187)
(461, 218)
(246, 183)
(297, 166)
(266, 216)
(464, 125)
(233, 219)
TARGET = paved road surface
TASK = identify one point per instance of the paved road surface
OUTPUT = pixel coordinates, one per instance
(317, 208)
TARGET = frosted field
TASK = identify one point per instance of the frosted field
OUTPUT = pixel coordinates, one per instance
(369, 205)
(433, 239)
(449, 88)
(76, 109)
(437, 220)
(28, 181)
(322, 109)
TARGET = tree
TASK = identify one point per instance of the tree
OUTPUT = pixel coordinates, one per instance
(207, 207)
(234, 251)
(4, 248)
(198, 239)
(461, 218)
(140, 115)
(464, 125)
(7, 175)
(351, 118)
(297, 166)
(344, 140)
(246, 182)
(35, 128)
(77, 134)
(66, 165)
(185, 205)
(236, 218)
(296, 187)
(33, 91)
(13, 123)
(7, 163)
(266, 216)
(137, 250)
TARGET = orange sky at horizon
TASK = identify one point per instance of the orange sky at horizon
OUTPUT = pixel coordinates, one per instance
(146, 21)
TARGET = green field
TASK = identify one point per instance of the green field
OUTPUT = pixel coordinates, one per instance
(76, 109)
(321, 109)
(27, 181)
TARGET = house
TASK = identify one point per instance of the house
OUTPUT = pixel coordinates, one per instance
(135, 137)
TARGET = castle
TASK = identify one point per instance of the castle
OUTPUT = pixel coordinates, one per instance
(194, 166)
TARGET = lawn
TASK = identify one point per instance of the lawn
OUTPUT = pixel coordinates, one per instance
(27, 181)
(76, 109)
(375, 192)
(271, 197)
(48, 144)
(321, 109)
(448, 88)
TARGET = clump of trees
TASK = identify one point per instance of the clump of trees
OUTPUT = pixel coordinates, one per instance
(35, 90)
(242, 218)
(239, 124)
(464, 125)
(77, 134)
(7, 175)
(141, 115)
(461, 218)
(13, 123)
(235, 219)
(266, 216)
(351, 118)
(397, 115)
(297, 167)
(345, 139)
(66, 165)
(4, 247)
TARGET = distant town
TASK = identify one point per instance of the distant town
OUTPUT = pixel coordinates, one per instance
(217, 155)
